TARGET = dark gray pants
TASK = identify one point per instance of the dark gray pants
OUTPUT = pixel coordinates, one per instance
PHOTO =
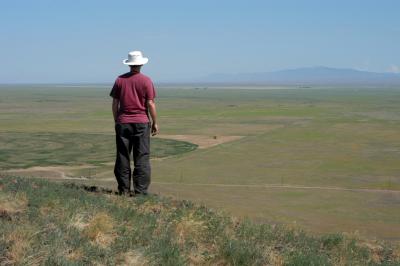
(133, 138)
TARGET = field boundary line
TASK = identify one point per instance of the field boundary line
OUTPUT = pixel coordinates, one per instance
(282, 186)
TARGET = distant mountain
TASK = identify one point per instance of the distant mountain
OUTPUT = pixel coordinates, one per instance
(308, 76)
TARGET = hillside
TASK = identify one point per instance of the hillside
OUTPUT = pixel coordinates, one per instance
(49, 223)
(308, 76)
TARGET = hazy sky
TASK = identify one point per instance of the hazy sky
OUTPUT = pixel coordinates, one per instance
(86, 41)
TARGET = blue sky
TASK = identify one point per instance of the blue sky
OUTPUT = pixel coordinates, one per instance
(85, 41)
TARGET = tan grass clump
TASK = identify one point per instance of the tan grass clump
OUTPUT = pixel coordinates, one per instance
(79, 221)
(148, 207)
(18, 242)
(229, 229)
(119, 201)
(274, 257)
(50, 207)
(100, 230)
(133, 258)
(12, 205)
(190, 228)
(396, 253)
(74, 255)
(375, 249)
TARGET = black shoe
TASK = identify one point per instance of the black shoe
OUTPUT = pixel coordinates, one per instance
(126, 193)
(137, 193)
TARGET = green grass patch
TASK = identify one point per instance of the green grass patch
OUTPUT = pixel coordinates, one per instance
(22, 150)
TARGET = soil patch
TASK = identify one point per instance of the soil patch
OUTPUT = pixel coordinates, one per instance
(51, 172)
(202, 141)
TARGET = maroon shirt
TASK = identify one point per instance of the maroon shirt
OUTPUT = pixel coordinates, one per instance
(133, 90)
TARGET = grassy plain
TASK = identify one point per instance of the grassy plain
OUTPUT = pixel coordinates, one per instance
(323, 159)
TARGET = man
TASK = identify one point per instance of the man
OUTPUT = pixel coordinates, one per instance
(133, 99)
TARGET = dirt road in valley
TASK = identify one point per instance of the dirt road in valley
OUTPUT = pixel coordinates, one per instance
(282, 186)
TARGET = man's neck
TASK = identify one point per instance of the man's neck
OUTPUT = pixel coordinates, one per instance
(135, 70)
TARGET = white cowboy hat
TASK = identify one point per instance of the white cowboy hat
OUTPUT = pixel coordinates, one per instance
(135, 58)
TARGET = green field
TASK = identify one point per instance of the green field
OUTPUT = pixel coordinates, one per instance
(323, 159)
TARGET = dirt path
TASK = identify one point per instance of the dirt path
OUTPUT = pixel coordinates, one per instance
(59, 172)
(202, 141)
(51, 172)
(283, 186)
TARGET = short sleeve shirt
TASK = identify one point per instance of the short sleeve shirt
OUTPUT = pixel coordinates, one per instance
(133, 90)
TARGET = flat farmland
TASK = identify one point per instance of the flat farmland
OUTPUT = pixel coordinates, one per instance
(323, 159)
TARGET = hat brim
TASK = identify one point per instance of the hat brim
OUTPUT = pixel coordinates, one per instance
(140, 62)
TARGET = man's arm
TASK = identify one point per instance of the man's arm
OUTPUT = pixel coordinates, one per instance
(115, 106)
(153, 113)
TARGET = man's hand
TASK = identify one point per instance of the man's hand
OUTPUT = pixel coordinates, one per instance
(153, 113)
(154, 129)
(115, 106)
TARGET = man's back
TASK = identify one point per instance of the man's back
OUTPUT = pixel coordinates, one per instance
(133, 90)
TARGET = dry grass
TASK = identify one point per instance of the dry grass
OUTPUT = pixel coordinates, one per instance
(100, 230)
(11, 206)
(133, 258)
(396, 252)
(149, 207)
(171, 233)
(74, 255)
(274, 257)
(18, 246)
(190, 228)
(49, 207)
(376, 251)
(229, 229)
(79, 221)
